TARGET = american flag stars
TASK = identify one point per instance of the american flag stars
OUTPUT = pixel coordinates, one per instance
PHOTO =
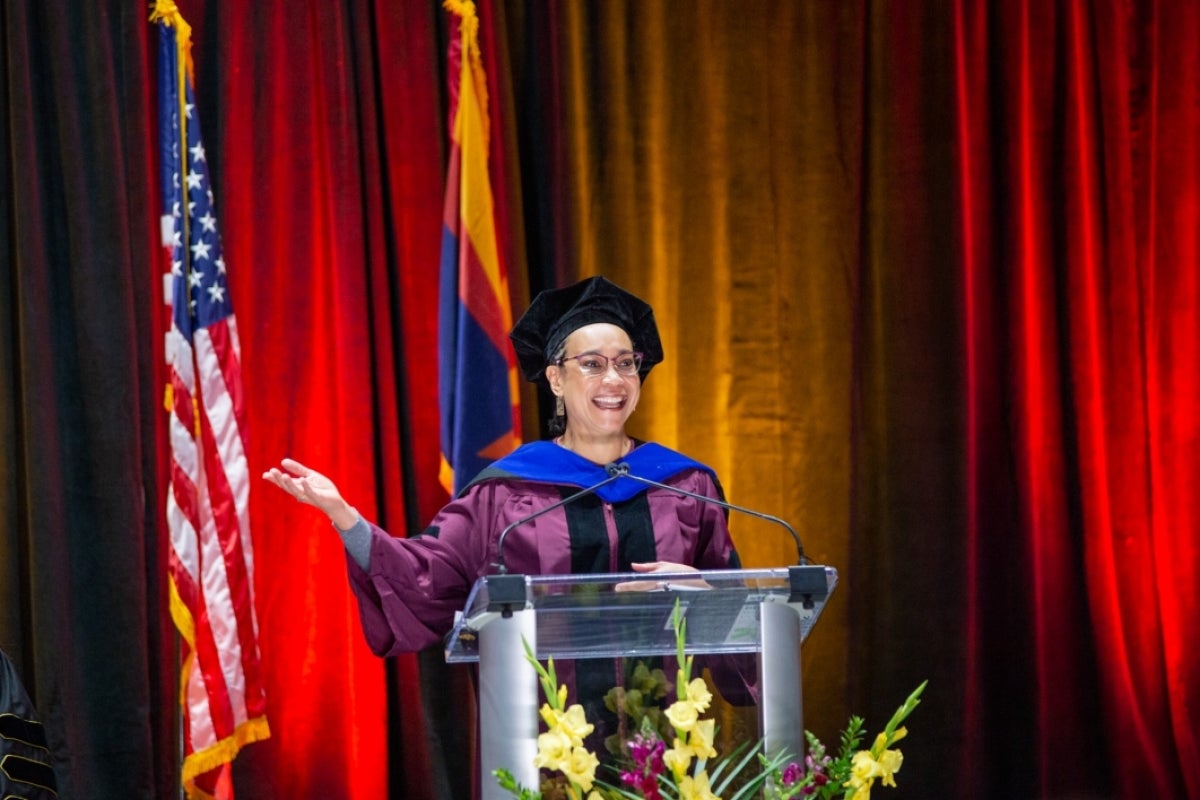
(198, 265)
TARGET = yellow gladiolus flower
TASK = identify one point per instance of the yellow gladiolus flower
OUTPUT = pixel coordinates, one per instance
(697, 788)
(889, 765)
(865, 767)
(684, 712)
(863, 770)
(554, 748)
(698, 694)
(700, 739)
(580, 767)
(862, 792)
(574, 723)
(678, 759)
(683, 715)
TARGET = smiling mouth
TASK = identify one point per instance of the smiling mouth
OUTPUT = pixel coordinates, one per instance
(609, 403)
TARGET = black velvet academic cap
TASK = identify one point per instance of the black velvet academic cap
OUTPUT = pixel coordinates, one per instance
(556, 313)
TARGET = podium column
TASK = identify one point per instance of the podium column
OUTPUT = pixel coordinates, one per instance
(780, 705)
(508, 703)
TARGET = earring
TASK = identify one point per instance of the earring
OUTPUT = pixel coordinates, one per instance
(559, 407)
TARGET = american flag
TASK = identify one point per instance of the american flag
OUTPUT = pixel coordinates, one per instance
(211, 563)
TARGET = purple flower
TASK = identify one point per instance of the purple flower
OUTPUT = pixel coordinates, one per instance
(644, 749)
(792, 774)
(649, 788)
(647, 753)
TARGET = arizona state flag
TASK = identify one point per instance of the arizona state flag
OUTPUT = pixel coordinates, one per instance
(477, 376)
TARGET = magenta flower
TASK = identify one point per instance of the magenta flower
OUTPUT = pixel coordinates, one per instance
(647, 755)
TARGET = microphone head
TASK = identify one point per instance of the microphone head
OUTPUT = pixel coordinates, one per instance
(615, 469)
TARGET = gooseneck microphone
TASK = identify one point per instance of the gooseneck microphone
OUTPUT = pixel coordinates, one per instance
(620, 470)
(500, 567)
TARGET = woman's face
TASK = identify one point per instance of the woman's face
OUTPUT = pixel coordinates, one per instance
(597, 405)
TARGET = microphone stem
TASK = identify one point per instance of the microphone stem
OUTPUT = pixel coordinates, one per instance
(500, 565)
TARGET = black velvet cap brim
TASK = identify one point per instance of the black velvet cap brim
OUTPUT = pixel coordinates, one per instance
(556, 313)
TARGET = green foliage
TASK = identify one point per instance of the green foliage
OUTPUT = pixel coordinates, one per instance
(840, 766)
(509, 784)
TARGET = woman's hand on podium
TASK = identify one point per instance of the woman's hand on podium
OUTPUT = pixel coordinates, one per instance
(651, 567)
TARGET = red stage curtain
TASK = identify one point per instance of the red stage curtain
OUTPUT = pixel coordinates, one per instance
(1078, 166)
(329, 189)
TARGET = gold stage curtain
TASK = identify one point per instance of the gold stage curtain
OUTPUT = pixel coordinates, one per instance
(713, 160)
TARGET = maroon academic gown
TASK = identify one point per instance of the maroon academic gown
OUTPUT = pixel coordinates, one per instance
(408, 597)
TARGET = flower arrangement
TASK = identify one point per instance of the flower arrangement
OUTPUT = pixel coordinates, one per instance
(853, 772)
(690, 769)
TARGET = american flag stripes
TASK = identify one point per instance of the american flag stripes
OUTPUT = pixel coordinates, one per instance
(211, 563)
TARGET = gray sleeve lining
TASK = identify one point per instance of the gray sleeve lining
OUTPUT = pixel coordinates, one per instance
(357, 540)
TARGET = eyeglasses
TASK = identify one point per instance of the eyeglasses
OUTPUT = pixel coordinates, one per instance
(595, 364)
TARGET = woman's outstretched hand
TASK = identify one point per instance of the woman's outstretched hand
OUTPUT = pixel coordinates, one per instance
(312, 488)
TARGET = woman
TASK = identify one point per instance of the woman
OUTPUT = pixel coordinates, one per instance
(593, 343)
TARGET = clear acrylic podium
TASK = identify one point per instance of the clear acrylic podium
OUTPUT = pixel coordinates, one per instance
(768, 612)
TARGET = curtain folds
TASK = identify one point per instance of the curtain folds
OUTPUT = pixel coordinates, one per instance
(1134, 349)
(82, 573)
(1070, 227)
(331, 137)
(926, 276)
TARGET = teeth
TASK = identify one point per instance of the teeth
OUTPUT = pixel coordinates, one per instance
(609, 402)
